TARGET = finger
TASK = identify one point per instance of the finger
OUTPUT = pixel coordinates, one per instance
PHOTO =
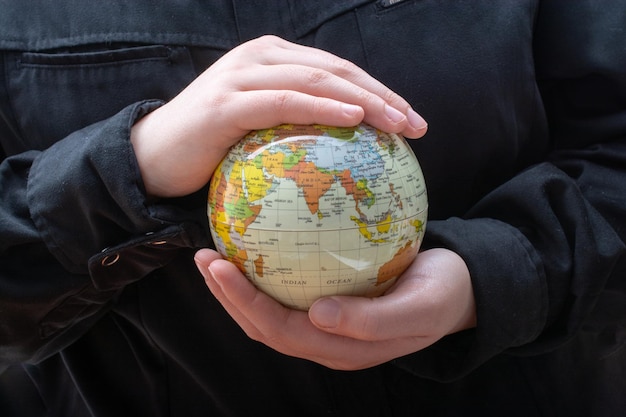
(432, 298)
(285, 330)
(371, 319)
(204, 257)
(215, 288)
(321, 83)
(273, 107)
(290, 332)
(262, 318)
(281, 52)
(318, 58)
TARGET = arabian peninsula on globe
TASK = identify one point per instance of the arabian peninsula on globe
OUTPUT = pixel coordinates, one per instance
(306, 211)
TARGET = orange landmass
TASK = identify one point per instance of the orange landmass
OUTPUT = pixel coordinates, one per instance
(348, 183)
(254, 209)
(398, 264)
(218, 187)
(258, 266)
(239, 258)
(313, 183)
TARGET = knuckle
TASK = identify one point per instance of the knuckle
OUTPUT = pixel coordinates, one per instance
(218, 105)
(319, 106)
(364, 96)
(257, 47)
(343, 67)
(219, 100)
(282, 101)
(268, 39)
(317, 76)
(262, 42)
(391, 97)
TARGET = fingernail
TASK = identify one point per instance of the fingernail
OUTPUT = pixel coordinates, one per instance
(393, 114)
(212, 274)
(350, 109)
(415, 120)
(325, 313)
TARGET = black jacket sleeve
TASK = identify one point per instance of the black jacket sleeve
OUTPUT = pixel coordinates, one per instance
(63, 212)
(546, 249)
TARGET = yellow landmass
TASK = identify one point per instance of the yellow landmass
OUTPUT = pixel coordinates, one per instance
(233, 252)
(418, 224)
(364, 193)
(365, 231)
(256, 182)
(274, 163)
(217, 188)
(384, 226)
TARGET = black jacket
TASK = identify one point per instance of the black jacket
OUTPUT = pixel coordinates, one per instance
(525, 163)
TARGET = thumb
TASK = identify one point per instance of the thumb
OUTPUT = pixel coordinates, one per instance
(204, 257)
(362, 318)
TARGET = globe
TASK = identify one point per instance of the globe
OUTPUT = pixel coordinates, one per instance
(307, 211)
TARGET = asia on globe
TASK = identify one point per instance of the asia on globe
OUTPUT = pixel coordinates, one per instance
(306, 211)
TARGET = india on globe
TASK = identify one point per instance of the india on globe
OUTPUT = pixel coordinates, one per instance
(307, 211)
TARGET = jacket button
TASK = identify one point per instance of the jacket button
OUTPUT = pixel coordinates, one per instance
(110, 259)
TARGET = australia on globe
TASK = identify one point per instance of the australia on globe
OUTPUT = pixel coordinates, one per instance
(307, 211)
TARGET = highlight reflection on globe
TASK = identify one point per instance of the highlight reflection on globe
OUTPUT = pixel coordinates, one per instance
(310, 211)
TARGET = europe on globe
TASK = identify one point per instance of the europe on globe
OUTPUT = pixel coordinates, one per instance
(306, 211)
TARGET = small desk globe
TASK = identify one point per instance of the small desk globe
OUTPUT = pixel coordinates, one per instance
(307, 211)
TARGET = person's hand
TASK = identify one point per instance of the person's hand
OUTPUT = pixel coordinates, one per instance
(431, 299)
(260, 84)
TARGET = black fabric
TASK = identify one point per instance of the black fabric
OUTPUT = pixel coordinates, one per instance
(102, 312)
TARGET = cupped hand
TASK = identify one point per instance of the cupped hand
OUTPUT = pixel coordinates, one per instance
(259, 84)
(431, 299)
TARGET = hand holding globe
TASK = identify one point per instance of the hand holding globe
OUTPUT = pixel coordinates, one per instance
(262, 82)
(383, 216)
(256, 85)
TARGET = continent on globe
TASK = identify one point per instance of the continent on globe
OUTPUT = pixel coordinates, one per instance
(307, 211)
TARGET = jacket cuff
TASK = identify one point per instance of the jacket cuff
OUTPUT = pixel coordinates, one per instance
(509, 288)
(85, 192)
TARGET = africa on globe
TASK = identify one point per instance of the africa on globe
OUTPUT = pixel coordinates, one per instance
(307, 211)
